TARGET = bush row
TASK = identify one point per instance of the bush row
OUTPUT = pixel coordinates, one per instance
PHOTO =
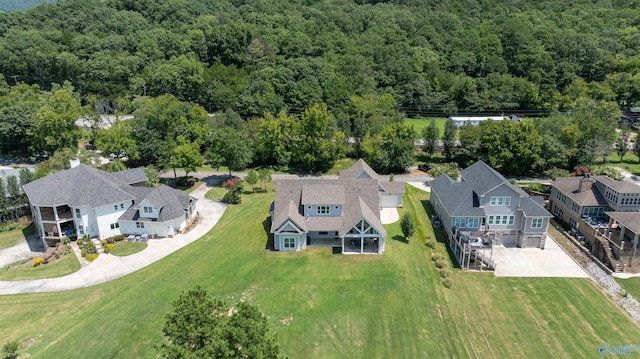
(443, 267)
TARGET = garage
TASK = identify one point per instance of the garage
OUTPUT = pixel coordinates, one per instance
(509, 240)
(388, 201)
(533, 241)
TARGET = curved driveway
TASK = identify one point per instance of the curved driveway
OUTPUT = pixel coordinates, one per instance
(108, 267)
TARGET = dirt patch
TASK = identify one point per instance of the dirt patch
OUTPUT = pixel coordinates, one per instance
(287, 320)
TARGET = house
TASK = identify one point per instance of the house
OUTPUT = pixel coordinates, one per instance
(343, 212)
(460, 121)
(486, 207)
(86, 201)
(606, 212)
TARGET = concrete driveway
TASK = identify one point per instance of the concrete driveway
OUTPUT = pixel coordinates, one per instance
(552, 261)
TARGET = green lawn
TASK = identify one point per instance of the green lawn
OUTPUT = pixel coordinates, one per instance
(629, 162)
(631, 285)
(422, 122)
(11, 238)
(325, 305)
(341, 164)
(66, 264)
(123, 249)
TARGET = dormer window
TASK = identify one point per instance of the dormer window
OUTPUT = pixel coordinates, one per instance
(322, 210)
(148, 209)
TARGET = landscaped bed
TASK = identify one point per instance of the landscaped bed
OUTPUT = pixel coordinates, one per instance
(325, 305)
(65, 262)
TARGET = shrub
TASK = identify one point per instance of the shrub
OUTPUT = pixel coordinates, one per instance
(83, 252)
(447, 282)
(445, 273)
(441, 263)
(9, 226)
(38, 261)
(91, 257)
(10, 349)
(430, 243)
(66, 240)
(436, 257)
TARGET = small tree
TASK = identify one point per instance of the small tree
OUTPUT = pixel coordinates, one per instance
(430, 135)
(264, 175)
(10, 349)
(252, 178)
(407, 225)
(233, 187)
(186, 156)
(200, 326)
(622, 145)
(152, 176)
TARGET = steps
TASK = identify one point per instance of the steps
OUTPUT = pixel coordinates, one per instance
(98, 245)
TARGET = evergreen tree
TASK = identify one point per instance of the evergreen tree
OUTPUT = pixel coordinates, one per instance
(449, 139)
(430, 135)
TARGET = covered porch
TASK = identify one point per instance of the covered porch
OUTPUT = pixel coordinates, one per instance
(57, 213)
(363, 238)
(55, 232)
(473, 250)
(623, 233)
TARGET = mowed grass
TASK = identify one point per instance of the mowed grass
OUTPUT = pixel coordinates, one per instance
(11, 238)
(631, 285)
(325, 305)
(123, 249)
(629, 162)
(421, 122)
(62, 266)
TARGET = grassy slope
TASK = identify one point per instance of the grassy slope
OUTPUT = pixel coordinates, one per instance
(123, 249)
(629, 162)
(60, 267)
(324, 305)
(11, 238)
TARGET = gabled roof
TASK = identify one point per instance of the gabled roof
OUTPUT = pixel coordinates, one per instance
(484, 179)
(322, 194)
(292, 213)
(461, 198)
(77, 187)
(362, 211)
(620, 186)
(357, 171)
(456, 197)
(630, 220)
(589, 197)
(172, 203)
(392, 187)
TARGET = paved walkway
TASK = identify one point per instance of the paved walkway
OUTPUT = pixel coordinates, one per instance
(108, 267)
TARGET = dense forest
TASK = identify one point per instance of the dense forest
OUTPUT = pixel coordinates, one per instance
(367, 63)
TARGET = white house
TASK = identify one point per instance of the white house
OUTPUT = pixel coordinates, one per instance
(476, 120)
(86, 201)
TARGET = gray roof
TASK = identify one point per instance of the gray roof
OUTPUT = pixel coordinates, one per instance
(77, 187)
(392, 187)
(356, 192)
(131, 176)
(172, 203)
(569, 186)
(461, 198)
(322, 194)
(630, 220)
(356, 171)
(620, 186)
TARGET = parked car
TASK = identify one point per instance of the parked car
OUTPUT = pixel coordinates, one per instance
(424, 167)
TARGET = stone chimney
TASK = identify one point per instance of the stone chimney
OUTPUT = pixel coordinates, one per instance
(74, 162)
(586, 182)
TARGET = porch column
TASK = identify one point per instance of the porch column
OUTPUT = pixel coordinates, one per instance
(361, 243)
(55, 213)
(342, 240)
(621, 237)
(39, 220)
(59, 230)
(635, 247)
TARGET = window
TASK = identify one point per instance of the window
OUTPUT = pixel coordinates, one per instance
(148, 209)
(537, 222)
(498, 219)
(289, 242)
(337, 207)
(511, 218)
(115, 208)
(80, 229)
(490, 220)
(121, 205)
(323, 210)
(115, 225)
(323, 233)
(78, 212)
(500, 201)
(504, 219)
(473, 223)
(139, 224)
(460, 222)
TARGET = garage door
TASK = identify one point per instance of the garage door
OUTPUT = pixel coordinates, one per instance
(509, 240)
(533, 242)
(388, 202)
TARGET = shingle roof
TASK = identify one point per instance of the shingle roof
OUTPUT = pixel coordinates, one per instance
(77, 187)
(569, 186)
(620, 186)
(357, 169)
(322, 194)
(131, 176)
(172, 203)
(292, 212)
(392, 187)
(630, 220)
(458, 197)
